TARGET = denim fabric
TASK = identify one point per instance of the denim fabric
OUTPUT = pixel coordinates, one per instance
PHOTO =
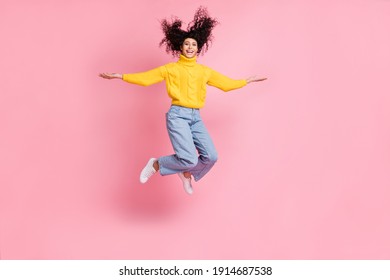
(194, 149)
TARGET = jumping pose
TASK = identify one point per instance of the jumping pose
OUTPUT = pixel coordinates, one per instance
(186, 81)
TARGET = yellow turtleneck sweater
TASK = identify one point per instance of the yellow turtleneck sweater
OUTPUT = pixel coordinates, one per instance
(186, 81)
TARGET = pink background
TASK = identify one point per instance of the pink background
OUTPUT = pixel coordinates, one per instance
(304, 168)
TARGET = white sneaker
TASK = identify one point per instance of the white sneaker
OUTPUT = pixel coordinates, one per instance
(186, 183)
(148, 171)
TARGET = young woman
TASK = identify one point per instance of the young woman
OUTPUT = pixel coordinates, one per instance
(186, 82)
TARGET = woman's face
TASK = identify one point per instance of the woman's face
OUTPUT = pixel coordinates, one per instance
(189, 48)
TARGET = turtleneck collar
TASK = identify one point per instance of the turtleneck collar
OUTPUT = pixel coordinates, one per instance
(187, 61)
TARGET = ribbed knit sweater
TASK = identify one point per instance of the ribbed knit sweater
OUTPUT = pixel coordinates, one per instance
(185, 80)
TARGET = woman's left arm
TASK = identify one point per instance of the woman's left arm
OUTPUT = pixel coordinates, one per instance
(226, 84)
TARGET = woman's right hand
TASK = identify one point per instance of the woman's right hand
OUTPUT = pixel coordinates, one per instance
(110, 75)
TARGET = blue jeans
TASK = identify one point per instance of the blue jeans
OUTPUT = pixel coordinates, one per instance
(194, 149)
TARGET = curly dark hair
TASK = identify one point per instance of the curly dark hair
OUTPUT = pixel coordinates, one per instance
(199, 29)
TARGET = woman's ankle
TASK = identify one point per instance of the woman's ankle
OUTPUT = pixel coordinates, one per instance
(187, 174)
(156, 166)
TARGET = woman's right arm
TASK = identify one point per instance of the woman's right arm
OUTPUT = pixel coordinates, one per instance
(143, 78)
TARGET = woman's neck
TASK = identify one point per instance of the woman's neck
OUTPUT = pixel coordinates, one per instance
(187, 61)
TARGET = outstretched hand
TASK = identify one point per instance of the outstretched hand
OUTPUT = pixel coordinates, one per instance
(110, 76)
(255, 79)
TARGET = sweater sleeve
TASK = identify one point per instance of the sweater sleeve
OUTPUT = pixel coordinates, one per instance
(224, 83)
(147, 78)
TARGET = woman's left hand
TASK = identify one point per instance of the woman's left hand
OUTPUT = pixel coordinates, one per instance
(255, 79)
